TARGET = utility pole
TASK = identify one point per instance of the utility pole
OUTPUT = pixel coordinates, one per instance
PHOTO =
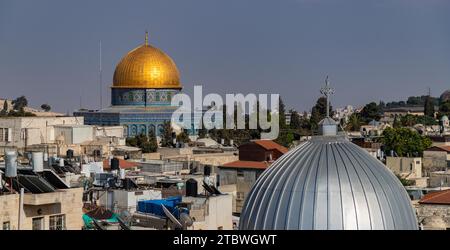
(100, 75)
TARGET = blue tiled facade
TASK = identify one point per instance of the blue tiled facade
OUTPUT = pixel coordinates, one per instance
(146, 111)
(142, 97)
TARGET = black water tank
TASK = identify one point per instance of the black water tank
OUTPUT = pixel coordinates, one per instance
(69, 153)
(191, 187)
(115, 164)
(97, 153)
(207, 170)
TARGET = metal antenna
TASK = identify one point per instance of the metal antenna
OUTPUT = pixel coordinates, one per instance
(100, 75)
(327, 91)
(146, 38)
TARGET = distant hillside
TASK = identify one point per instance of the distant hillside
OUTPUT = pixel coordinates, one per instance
(37, 112)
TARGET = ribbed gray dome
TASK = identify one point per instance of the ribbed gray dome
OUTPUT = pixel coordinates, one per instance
(328, 183)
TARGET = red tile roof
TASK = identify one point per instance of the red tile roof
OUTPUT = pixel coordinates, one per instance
(122, 164)
(246, 164)
(271, 145)
(439, 197)
(439, 148)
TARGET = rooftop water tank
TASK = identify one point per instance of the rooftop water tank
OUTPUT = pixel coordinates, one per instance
(122, 174)
(207, 170)
(115, 164)
(69, 153)
(191, 188)
(11, 164)
(61, 162)
(38, 161)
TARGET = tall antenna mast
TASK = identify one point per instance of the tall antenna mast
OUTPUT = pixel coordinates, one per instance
(100, 75)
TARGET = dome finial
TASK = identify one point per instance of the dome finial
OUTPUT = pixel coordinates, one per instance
(327, 91)
(146, 38)
(327, 126)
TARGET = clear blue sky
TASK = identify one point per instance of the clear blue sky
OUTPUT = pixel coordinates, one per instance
(372, 50)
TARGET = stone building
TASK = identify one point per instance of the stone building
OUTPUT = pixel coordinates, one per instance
(61, 210)
(20, 132)
(436, 158)
(238, 177)
(433, 211)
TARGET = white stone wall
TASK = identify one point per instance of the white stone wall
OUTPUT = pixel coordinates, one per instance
(425, 211)
(28, 131)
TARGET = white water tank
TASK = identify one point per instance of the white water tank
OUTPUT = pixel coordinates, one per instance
(122, 174)
(45, 157)
(38, 162)
(61, 162)
(11, 164)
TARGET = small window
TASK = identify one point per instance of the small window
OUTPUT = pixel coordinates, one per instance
(38, 223)
(240, 196)
(57, 222)
(240, 173)
(6, 225)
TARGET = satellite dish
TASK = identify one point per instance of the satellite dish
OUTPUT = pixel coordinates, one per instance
(122, 224)
(210, 189)
(216, 191)
(97, 225)
(186, 220)
(171, 217)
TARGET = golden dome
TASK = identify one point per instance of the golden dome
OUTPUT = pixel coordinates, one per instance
(147, 67)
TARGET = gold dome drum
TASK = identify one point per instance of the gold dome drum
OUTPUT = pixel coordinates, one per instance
(146, 67)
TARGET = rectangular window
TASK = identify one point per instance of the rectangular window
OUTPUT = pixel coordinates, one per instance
(6, 136)
(38, 223)
(57, 222)
(240, 196)
(6, 225)
(240, 173)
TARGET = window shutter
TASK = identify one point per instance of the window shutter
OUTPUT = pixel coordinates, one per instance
(9, 131)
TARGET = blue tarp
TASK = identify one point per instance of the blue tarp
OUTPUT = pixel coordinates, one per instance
(154, 206)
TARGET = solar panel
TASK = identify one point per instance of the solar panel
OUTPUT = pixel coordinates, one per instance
(54, 179)
(34, 184)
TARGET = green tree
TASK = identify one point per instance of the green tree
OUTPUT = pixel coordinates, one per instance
(20, 103)
(405, 182)
(167, 135)
(354, 122)
(296, 122)
(183, 137)
(151, 144)
(285, 138)
(318, 112)
(404, 142)
(429, 107)
(396, 123)
(408, 120)
(282, 114)
(147, 144)
(444, 108)
(46, 107)
(370, 112)
(4, 111)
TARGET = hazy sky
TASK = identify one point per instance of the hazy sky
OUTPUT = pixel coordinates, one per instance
(372, 50)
